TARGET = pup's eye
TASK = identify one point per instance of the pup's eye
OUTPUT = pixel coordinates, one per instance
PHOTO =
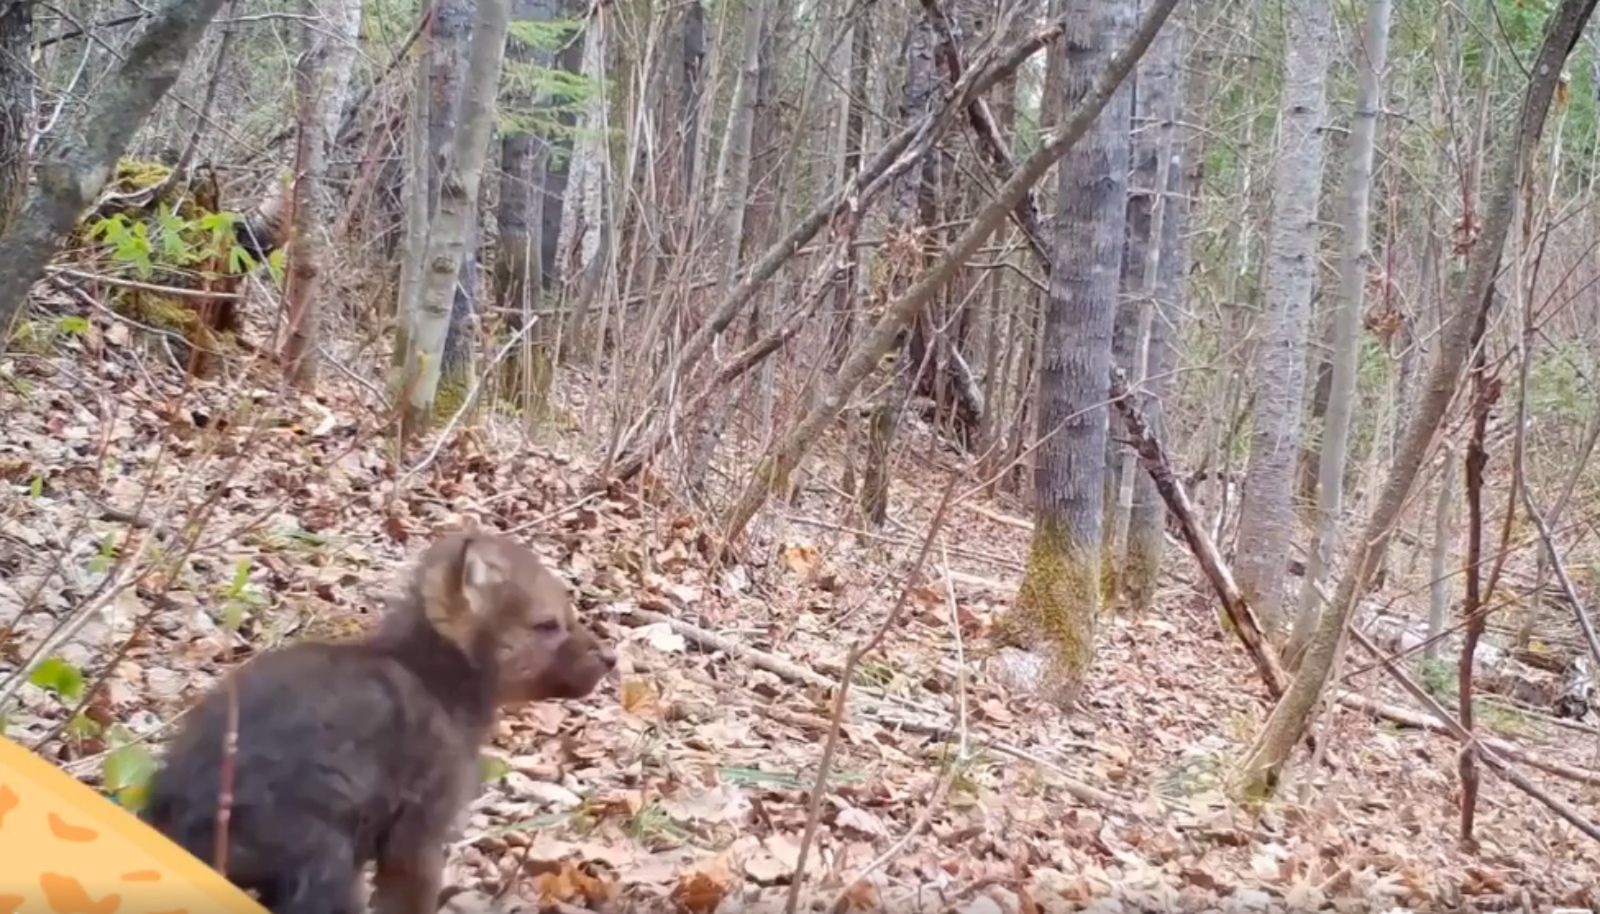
(547, 626)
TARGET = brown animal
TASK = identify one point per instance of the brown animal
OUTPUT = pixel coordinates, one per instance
(368, 751)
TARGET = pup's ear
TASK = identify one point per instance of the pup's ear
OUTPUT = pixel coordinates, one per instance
(456, 576)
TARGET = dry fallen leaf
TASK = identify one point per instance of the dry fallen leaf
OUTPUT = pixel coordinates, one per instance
(802, 558)
(641, 697)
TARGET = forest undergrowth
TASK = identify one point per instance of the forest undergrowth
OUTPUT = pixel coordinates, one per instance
(158, 530)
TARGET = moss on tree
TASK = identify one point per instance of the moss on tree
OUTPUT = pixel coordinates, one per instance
(1057, 605)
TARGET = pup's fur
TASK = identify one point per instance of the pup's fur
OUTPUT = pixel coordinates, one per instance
(367, 751)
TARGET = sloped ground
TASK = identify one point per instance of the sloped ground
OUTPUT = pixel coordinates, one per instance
(686, 781)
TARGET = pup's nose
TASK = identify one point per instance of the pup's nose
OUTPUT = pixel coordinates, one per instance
(608, 655)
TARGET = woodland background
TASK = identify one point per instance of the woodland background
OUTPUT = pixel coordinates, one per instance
(1171, 422)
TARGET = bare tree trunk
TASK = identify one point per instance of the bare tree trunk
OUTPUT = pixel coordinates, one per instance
(344, 42)
(418, 216)
(316, 95)
(89, 143)
(581, 248)
(1147, 516)
(850, 160)
(1440, 581)
(1060, 595)
(458, 194)
(1266, 519)
(16, 106)
(522, 171)
(730, 205)
(558, 171)
(450, 39)
(1142, 314)
(1371, 60)
(1260, 771)
(900, 259)
(772, 473)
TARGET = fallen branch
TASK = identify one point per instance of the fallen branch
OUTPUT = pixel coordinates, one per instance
(1495, 760)
(1410, 717)
(794, 672)
(1154, 457)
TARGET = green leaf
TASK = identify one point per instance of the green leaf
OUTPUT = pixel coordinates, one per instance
(73, 323)
(81, 727)
(241, 579)
(492, 768)
(59, 677)
(127, 769)
(240, 261)
(36, 488)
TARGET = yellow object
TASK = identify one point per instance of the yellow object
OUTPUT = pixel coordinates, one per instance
(64, 849)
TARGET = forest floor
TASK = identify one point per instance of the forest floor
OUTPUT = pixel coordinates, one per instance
(685, 780)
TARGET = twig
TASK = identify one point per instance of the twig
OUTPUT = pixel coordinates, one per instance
(1560, 567)
(1496, 761)
(1154, 456)
(466, 404)
(940, 791)
(793, 672)
(174, 291)
(814, 813)
(961, 657)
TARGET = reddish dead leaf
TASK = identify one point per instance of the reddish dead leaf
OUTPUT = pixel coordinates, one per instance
(700, 891)
(862, 895)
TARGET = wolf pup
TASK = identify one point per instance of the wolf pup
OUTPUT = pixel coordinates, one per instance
(368, 751)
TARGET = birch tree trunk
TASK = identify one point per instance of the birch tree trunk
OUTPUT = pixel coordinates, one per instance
(1371, 59)
(450, 40)
(583, 216)
(343, 19)
(88, 144)
(1441, 581)
(1266, 519)
(558, 167)
(16, 106)
(1060, 595)
(1261, 770)
(451, 229)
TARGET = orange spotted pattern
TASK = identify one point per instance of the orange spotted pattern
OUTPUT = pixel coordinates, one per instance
(68, 850)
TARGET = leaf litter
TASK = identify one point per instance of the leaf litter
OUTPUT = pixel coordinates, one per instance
(268, 517)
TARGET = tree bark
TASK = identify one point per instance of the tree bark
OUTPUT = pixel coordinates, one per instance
(523, 158)
(1439, 572)
(900, 260)
(1371, 60)
(731, 205)
(1146, 538)
(451, 229)
(558, 169)
(16, 106)
(772, 472)
(1261, 769)
(89, 143)
(1266, 519)
(1060, 595)
(1141, 314)
(317, 96)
